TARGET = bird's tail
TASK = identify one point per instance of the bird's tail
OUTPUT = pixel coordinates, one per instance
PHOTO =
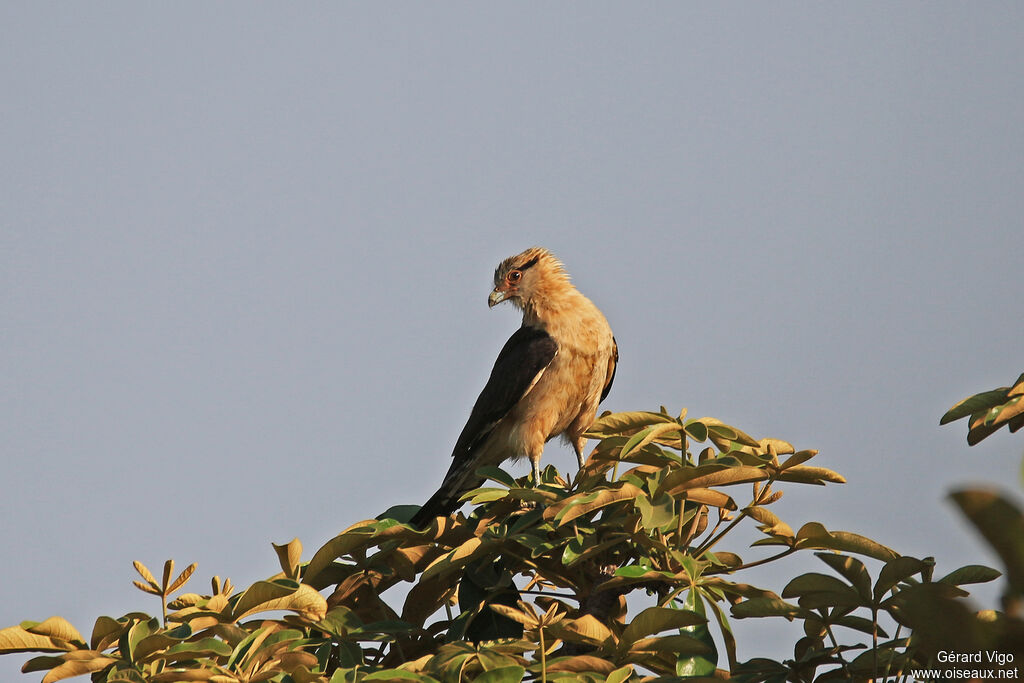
(446, 500)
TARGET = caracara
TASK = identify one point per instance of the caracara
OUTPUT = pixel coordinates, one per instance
(548, 378)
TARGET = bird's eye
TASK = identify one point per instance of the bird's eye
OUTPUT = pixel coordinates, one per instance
(515, 276)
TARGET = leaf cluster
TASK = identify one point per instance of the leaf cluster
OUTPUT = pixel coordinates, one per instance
(990, 410)
(618, 574)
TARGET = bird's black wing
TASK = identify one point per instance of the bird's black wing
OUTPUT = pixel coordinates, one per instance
(519, 365)
(525, 355)
(613, 363)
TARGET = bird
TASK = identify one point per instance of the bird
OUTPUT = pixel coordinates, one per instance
(547, 381)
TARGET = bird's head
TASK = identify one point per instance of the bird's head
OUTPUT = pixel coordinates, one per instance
(524, 276)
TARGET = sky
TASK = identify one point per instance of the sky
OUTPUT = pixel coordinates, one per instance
(245, 251)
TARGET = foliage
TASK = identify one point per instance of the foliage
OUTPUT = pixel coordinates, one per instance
(989, 411)
(939, 619)
(534, 584)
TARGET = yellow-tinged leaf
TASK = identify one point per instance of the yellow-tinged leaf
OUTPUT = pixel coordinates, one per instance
(17, 639)
(416, 665)
(146, 588)
(146, 575)
(77, 664)
(168, 571)
(357, 535)
(264, 596)
(186, 675)
(706, 476)
(657, 619)
(649, 435)
(424, 599)
(814, 535)
(622, 674)
(527, 620)
(57, 627)
(781, 447)
(621, 423)
(455, 558)
(581, 504)
(709, 497)
(581, 664)
(186, 600)
(289, 556)
(678, 644)
(290, 661)
(810, 475)
(104, 632)
(587, 627)
(797, 458)
(1008, 411)
(725, 436)
(770, 523)
(217, 603)
(182, 578)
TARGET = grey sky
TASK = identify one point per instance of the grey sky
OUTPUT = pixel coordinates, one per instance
(246, 249)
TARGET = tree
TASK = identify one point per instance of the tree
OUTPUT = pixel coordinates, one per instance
(534, 582)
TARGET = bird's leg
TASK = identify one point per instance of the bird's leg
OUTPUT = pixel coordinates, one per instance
(577, 445)
(536, 471)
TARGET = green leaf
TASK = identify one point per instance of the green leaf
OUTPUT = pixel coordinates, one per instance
(582, 504)
(814, 535)
(484, 495)
(655, 620)
(861, 624)
(975, 404)
(767, 607)
(43, 663)
(499, 475)
(614, 424)
(340, 621)
(697, 665)
(573, 549)
(727, 438)
(455, 559)
(657, 514)
(647, 435)
(677, 644)
(487, 587)
(852, 569)
(357, 536)
(138, 632)
(620, 675)
(160, 640)
(1001, 523)
(972, 573)
(392, 675)
(697, 430)
(816, 591)
(104, 632)
(895, 570)
(397, 513)
(194, 649)
(505, 674)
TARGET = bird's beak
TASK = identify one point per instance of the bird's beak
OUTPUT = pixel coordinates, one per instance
(495, 298)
